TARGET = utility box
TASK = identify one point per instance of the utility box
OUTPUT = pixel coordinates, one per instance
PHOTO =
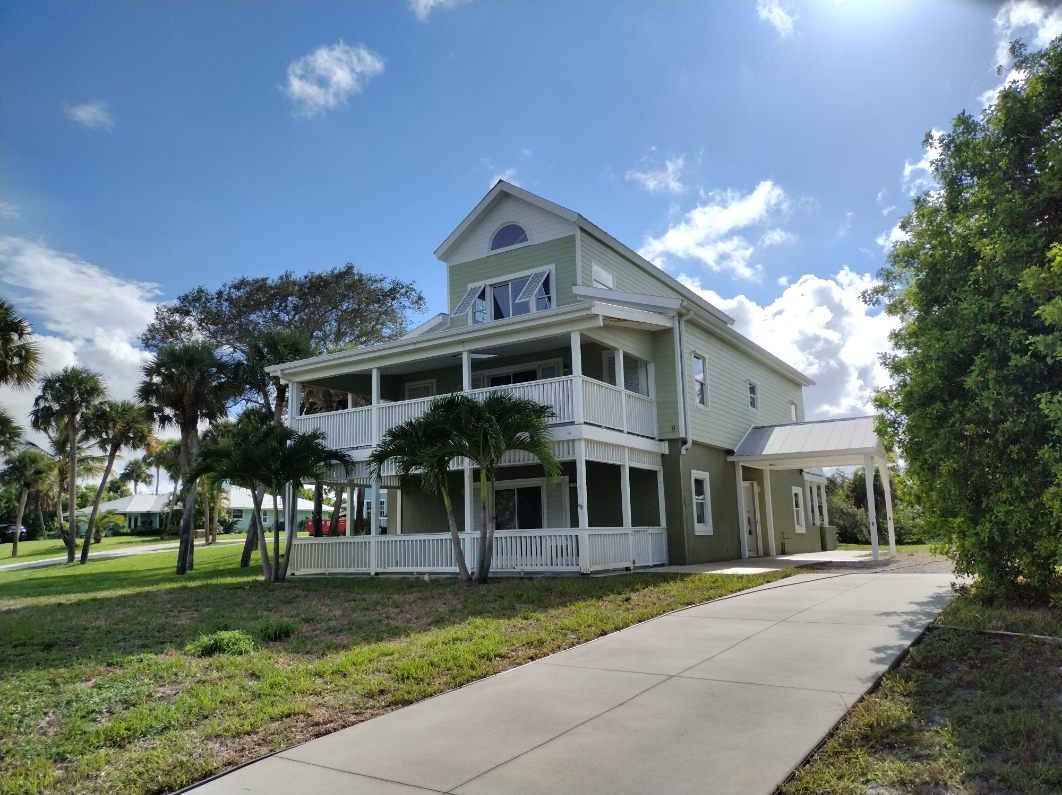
(828, 534)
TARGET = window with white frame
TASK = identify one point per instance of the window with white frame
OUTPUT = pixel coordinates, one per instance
(754, 396)
(702, 503)
(798, 509)
(700, 380)
(508, 236)
(508, 297)
(420, 389)
(635, 372)
(517, 374)
(236, 514)
(602, 277)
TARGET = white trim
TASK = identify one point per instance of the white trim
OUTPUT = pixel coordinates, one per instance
(561, 482)
(707, 405)
(706, 528)
(799, 511)
(753, 395)
(427, 381)
(497, 229)
(497, 281)
(516, 368)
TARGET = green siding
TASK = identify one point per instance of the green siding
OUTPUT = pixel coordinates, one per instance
(560, 253)
(630, 277)
(634, 341)
(667, 410)
(782, 483)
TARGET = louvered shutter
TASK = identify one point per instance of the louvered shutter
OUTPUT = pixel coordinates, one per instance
(632, 380)
(531, 288)
(556, 504)
(548, 371)
(466, 302)
(610, 368)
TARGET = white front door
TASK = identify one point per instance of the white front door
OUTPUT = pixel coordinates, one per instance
(752, 525)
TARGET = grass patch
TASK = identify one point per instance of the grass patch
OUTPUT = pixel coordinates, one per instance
(233, 642)
(102, 693)
(964, 713)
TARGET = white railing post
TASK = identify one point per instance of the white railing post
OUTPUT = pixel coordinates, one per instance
(581, 496)
(620, 382)
(375, 406)
(577, 378)
(466, 371)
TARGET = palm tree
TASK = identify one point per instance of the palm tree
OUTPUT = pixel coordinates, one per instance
(167, 458)
(276, 346)
(425, 446)
(270, 458)
(137, 472)
(88, 466)
(116, 424)
(20, 359)
(184, 385)
(66, 397)
(26, 470)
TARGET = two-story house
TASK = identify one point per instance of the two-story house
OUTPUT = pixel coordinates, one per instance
(654, 394)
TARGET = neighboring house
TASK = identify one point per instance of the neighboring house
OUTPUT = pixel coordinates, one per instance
(654, 392)
(240, 506)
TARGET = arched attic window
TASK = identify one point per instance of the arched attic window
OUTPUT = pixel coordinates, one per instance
(508, 235)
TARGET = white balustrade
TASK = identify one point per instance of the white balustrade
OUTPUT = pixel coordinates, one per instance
(515, 551)
(603, 405)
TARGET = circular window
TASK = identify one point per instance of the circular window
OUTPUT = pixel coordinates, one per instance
(508, 235)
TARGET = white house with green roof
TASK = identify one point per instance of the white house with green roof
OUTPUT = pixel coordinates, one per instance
(654, 393)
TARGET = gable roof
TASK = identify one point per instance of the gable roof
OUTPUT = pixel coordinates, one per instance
(502, 188)
(802, 445)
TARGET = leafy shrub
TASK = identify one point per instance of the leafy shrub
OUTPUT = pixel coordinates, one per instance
(233, 642)
(273, 629)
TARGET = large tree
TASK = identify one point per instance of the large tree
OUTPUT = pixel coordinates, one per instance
(27, 471)
(977, 389)
(66, 397)
(138, 471)
(184, 385)
(116, 424)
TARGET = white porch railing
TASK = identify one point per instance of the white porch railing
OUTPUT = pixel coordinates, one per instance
(603, 404)
(515, 552)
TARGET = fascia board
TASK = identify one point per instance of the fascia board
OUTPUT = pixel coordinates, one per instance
(649, 267)
(572, 318)
(488, 201)
(428, 325)
(826, 458)
(568, 432)
(765, 356)
(623, 317)
(636, 299)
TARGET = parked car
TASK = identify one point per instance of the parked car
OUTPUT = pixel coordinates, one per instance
(7, 533)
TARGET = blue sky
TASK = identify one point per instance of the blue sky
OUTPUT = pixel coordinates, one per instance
(760, 151)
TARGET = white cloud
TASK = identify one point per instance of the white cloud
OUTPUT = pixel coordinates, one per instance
(325, 78)
(661, 179)
(93, 115)
(9, 210)
(82, 314)
(822, 328)
(776, 237)
(509, 175)
(783, 281)
(1035, 23)
(707, 232)
(918, 177)
(423, 8)
(887, 239)
(772, 12)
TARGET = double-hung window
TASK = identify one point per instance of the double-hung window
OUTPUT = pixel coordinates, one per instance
(754, 396)
(798, 509)
(702, 504)
(700, 380)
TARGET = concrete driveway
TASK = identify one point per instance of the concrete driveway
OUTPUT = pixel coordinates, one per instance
(724, 697)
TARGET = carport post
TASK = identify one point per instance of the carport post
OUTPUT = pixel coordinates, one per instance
(351, 506)
(742, 530)
(888, 507)
(868, 477)
(770, 509)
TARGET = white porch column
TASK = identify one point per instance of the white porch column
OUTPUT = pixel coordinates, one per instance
(294, 400)
(466, 370)
(352, 507)
(770, 510)
(868, 476)
(661, 509)
(375, 405)
(577, 378)
(625, 489)
(825, 511)
(618, 359)
(884, 467)
(742, 530)
(350, 400)
(581, 498)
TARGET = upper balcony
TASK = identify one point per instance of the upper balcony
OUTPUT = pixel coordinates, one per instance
(574, 400)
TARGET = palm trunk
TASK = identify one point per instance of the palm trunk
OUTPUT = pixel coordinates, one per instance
(18, 521)
(318, 500)
(185, 552)
(267, 569)
(333, 523)
(71, 540)
(96, 504)
(59, 512)
(276, 541)
(40, 518)
(481, 558)
(217, 515)
(455, 539)
(158, 474)
(251, 543)
(492, 519)
(289, 534)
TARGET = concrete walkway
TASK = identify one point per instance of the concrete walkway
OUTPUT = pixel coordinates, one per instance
(110, 553)
(725, 697)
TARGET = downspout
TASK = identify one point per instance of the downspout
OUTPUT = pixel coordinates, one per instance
(685, 386)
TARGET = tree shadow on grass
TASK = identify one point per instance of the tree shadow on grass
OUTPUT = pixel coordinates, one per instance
(137, 605)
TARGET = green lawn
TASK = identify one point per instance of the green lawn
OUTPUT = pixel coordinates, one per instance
(101, 692)
(55, 548)
(965, 712)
